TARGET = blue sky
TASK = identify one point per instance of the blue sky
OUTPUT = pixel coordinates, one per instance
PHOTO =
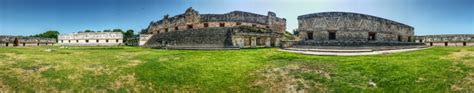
(28, 17)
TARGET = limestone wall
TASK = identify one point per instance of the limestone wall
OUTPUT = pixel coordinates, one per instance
(191, 19)
(352, 28)
(195, 38)
(91, 39)
(447, 40)
(21, 41)
(217, 38)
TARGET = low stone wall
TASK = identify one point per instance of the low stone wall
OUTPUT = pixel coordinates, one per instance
(91, 39)
(23, 41)
(447, 40)
(356, 43)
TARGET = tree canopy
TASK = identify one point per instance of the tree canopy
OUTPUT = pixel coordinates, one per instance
(48, 34)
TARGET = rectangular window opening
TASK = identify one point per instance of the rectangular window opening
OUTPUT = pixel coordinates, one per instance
(310, 36)
(190, 26)
(206, 25)
(372, 36)
(399, 38)
(332, 35)
(221, 24)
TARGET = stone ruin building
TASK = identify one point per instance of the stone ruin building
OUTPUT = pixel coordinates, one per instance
(351, 29)
(236, 29)
(91, 39)
(447, 40)
(20, 41)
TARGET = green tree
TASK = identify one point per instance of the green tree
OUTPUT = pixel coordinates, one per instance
(296, 32)
(117, 30)
(88, 30)
(107, 30)
(48, 34)
(143, 31)
(128, 34)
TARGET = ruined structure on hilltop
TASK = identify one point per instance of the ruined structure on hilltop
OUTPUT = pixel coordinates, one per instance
(11, 41)
(447, 40)
(91, 39)
(352, 29)
(236, 29)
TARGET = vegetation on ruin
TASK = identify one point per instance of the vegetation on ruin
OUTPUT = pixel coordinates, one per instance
(255, 29)
(121, 69)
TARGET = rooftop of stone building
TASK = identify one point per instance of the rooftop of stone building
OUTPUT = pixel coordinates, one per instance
(231, 16)
(92, 35)
(4, 38)
(352, 14)
(450, 35)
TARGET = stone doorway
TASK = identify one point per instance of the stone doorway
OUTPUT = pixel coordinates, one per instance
(431, 43)
(445, 43)
(310, 35)
(15, 42)
(464, 43)
(400, 38)
(332, 34)
(247, 41)
(372, 36)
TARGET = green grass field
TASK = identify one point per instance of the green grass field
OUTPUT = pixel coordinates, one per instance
(126, 69)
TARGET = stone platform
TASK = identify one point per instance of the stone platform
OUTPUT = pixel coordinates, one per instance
(351, 51)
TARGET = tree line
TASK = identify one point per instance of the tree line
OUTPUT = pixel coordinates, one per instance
(128, 34)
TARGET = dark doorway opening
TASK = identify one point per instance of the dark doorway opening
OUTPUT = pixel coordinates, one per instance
(221, 24)
(7, 44)
(310, 35)
(24, 44)
(421, 41)
(431, 43)
(190, 26)
(15, 42)
(247, 41)
(445, 43)
(372, 36)
(37, 44)
(206, 25)
(332, 35)
(400, 38)
(464, 44)
(409, 39)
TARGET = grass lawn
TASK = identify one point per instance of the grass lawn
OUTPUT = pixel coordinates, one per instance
(126, 69)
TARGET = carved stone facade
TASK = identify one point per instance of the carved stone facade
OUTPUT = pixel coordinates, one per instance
(21, 41)
(352, 29)
(447, 40)
(91, 39)
(194, 30)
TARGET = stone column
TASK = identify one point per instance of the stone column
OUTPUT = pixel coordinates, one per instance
(253, 42)
(268, 42)
(239, 42)
(277, 42)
